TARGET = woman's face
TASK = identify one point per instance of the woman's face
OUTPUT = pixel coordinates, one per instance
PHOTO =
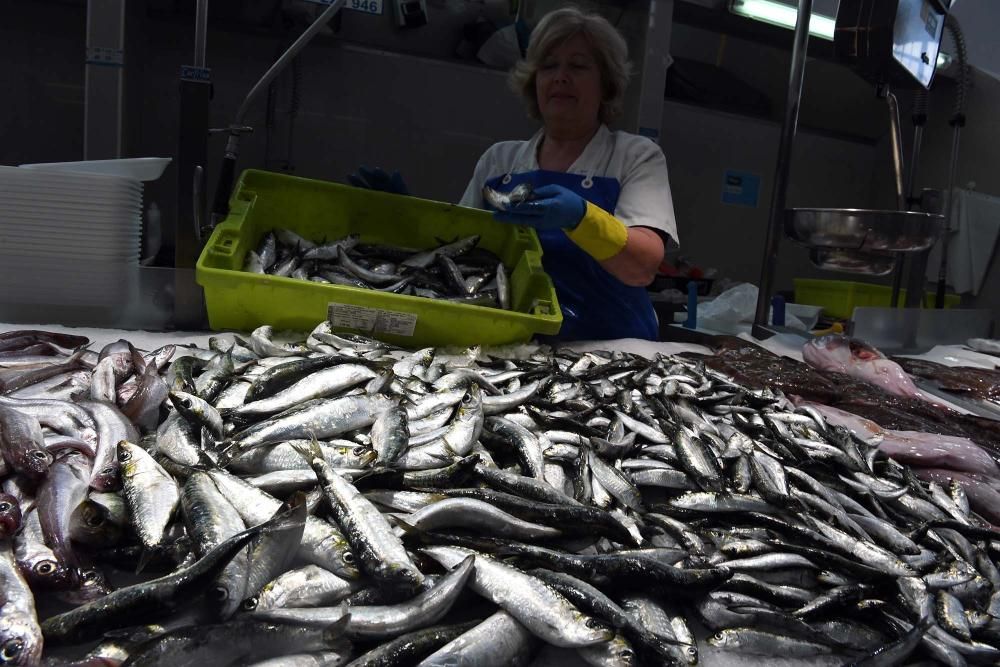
(568, 84)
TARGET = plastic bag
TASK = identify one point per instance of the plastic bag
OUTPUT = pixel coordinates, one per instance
(735, 306)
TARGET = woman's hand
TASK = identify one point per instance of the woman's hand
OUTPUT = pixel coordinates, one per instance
(630, 254)
(551, 207)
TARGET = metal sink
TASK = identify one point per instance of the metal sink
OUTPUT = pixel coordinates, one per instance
(864, 230)
(852, 261)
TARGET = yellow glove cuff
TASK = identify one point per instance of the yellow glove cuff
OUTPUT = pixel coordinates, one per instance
(600, 234)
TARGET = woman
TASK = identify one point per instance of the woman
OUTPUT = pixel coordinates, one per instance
(602, 205)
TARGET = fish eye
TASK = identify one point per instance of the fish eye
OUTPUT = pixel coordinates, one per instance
(5, 506)
(124, 455)
(11, 649)
(248, 605)
(219, 593)
(90, 576)
(348, 557)
(45, 568)
(94, 520)
(694, 651)
(594, 623)
(39, 454)
(626, 654)
(359, 450)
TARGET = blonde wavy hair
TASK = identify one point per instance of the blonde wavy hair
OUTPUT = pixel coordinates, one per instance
(609, 47)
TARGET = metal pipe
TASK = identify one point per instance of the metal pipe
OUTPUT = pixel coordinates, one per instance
(896, 139)
(200, 32)
(948, 216)
(789, 125)
(918, 263)
(911, 178)
(281, 63)
(957, 122)
(227, 172)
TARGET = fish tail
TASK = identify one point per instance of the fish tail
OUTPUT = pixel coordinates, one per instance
(311, 451)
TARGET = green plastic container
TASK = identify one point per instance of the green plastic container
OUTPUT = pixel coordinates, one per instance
(839, 298)
(319, 210)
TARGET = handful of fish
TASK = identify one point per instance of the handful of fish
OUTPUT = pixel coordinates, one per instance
(505, 201)
(340, 501)
(460, 271)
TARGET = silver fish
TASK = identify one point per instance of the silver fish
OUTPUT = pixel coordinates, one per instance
(505, 201)
(150, 493)
(534, 604)
(381, 553)
(308, 586)
(20, 635)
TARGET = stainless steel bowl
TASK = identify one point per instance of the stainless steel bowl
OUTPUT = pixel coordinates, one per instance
(852, 261)
(864, 230)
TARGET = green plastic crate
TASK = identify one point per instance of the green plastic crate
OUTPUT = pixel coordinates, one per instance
(319, 210)
(839, 298)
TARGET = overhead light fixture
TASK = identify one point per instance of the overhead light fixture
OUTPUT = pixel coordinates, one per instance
(784, 15)
(776, 13)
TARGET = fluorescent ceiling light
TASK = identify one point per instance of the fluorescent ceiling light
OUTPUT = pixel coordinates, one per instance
(782, 15)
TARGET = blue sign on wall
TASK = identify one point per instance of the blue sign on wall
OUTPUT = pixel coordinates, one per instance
(741, 188)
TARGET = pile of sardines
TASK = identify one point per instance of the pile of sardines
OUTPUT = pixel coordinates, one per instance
(339, 501)
(459, 272)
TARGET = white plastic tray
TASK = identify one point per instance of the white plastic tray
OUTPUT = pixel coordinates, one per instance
(138, 169)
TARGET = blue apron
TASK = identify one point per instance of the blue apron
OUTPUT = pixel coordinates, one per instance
(595, 305)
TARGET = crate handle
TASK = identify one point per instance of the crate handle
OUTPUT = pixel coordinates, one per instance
(227, 237)
(541, 307)
(225, 243)
(534, 262)
(524, 233)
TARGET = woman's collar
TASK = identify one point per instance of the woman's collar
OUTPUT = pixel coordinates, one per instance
(528, 160)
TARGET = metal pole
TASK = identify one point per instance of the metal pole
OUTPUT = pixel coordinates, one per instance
(224, 188)
(918, 140)
(918, 263)
(645, 101)
(896, 138)
(281, 63)
(104, 80)
(192, 155)
(200, 33)
(949, 208)
(783, 167)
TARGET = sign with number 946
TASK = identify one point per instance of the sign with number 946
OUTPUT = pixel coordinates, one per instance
(366, 6)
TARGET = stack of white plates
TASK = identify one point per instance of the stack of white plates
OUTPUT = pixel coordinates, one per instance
(68, 237)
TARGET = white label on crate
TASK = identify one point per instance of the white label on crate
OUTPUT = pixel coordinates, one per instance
(371, 320)
(398, 324)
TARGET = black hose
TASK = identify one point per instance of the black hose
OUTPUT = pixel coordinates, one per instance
(957, 122)
(920, 107)
(953, 27)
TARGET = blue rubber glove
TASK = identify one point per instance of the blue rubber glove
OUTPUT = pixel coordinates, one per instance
(376, 179)
(552, 207)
